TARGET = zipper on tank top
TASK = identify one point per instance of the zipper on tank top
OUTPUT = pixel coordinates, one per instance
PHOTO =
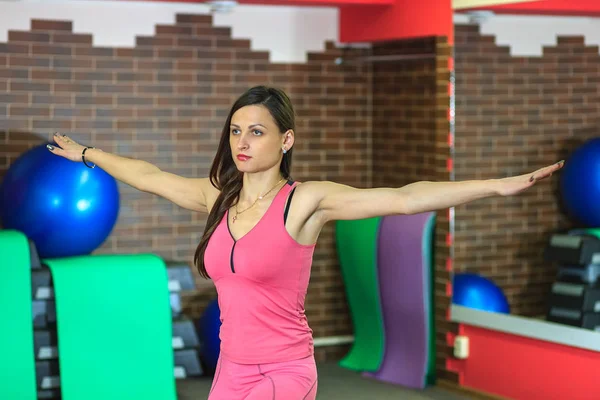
(231, 257)
(233, 247)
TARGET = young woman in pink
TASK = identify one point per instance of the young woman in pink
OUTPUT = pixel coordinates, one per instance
(261, 232)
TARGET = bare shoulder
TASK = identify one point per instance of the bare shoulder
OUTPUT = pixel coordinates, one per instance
(309, 195)
(315, 191)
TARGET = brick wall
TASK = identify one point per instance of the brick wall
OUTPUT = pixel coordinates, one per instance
(514, 115)
(165, 101)
(410, 138)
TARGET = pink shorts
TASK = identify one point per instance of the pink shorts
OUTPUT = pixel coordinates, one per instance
(290, 380)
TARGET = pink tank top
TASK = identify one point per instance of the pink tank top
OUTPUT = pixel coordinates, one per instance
(261, 282)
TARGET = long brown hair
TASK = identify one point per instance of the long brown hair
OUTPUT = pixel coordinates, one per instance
(225, 176)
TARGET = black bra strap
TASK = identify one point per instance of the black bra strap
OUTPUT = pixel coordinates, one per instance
(287, 206)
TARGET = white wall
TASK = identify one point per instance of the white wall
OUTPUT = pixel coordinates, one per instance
(288, 33)
(526, 35)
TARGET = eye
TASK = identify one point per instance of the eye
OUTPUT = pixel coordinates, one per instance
(235, 131)
(257, 132)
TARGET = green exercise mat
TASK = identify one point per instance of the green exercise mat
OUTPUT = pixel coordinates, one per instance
(429, 262)
(17, 368)
(114, 327)
(356, 242)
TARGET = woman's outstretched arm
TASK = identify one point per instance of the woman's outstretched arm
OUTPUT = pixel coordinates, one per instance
(189, 193)
(341, 202)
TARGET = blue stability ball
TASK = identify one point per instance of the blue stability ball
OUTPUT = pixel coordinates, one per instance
(475, 291)
(66, 208)
(209, 327)
(580, 184)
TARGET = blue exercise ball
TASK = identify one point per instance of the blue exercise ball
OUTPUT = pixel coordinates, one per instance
(580, 184)
(64, 207)
(475, 291)
(209, 326)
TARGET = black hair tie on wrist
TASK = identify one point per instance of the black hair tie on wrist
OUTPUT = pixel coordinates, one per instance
(83, 157)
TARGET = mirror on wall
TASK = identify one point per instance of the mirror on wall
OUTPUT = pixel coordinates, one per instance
(526, 96)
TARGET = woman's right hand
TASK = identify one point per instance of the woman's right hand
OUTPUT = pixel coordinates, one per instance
(67, 147)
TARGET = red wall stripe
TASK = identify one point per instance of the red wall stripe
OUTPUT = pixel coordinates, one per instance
(522, 368)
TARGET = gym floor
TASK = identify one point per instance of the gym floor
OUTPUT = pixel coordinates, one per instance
(335, 383)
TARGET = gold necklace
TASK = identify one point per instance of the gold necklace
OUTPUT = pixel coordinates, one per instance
(259, 198)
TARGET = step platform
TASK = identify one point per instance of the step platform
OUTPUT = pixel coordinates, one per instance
(41, 284)
(187, 364)
(577, 318)
(44, 308)
(47, 375)
(589, 274)
(574, 296)
(48, 380)
(54, 394)
(45, 342)
(34, 257)
(573, 249)
(184, 334)
(180, 277)
(44, 314)
(179, 280)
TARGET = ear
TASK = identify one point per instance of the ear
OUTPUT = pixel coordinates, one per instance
(288, 139)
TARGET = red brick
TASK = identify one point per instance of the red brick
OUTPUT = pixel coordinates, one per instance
(154, 41)
(72, 38)
(19, 36)
(51, 25)
(194, 19)
(25, 61)
(173, 30)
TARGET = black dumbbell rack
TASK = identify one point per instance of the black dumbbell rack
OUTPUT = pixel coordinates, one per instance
(575, 295)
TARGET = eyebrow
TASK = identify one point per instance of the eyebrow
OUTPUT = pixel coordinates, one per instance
(250, 126)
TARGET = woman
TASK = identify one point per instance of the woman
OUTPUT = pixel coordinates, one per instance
(258, 244)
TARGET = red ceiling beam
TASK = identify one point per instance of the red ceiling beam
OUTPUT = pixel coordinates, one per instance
(548, 7)
(405, 19)
(325, 3)
(310, 3)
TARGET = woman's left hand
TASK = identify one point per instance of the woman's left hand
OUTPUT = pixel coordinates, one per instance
(517, 184)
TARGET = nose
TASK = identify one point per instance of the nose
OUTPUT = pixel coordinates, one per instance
(242, 143)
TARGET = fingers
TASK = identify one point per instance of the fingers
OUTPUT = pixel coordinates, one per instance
(60, 138)
(546, 171)
(558, 165)
(56, 150)
(63, 139)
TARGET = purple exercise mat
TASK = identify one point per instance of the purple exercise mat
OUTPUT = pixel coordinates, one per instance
(402, 284)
